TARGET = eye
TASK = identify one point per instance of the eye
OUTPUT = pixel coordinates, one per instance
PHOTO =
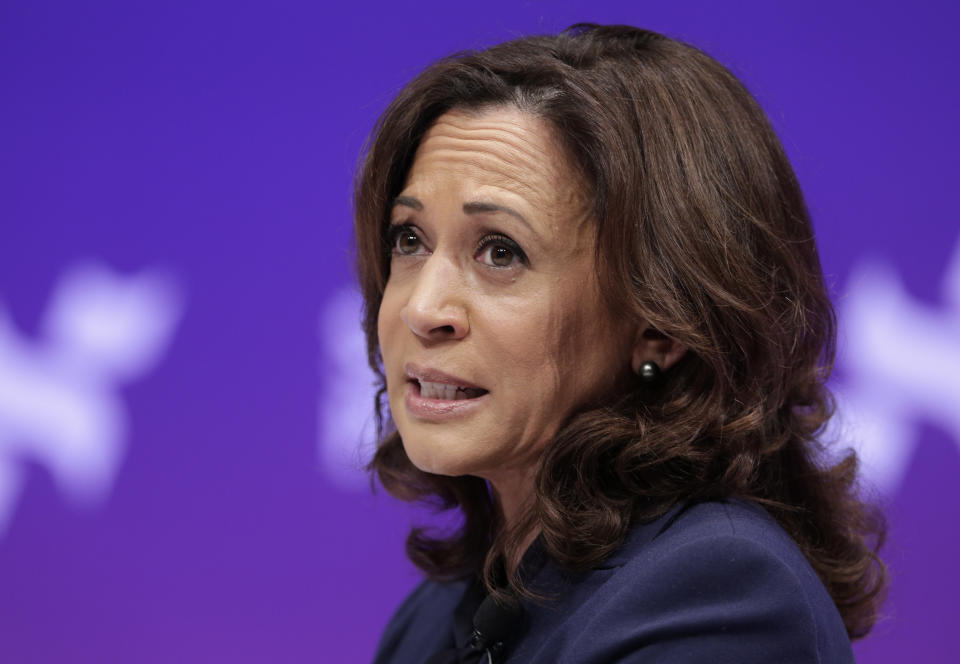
(404, 240)
(500, 251)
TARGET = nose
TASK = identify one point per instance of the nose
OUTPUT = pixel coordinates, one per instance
(436, 310)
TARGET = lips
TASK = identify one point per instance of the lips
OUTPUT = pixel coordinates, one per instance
(447, 392)
(435, 395)
(435, 384)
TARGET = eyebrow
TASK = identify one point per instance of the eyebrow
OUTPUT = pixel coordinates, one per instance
(408, 201)
(471, 207)
(480, 207)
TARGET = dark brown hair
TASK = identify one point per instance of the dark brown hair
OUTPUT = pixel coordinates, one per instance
(702, 231)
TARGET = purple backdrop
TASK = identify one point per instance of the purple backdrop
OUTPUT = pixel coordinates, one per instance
(181, 409)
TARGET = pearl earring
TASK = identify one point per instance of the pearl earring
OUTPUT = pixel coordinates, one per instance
(649, 372)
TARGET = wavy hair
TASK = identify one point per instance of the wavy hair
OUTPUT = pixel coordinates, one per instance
(701, 230)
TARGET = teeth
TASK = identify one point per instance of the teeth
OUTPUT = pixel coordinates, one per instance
(447, 392)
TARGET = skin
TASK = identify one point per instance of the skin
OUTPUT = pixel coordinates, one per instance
(531, 329)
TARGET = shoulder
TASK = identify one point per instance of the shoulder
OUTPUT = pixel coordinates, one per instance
(413, 627)
(698, 528)
(719, 578)
(738, 551)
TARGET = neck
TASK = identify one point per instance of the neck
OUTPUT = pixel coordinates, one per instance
(512, 499)
(512, 493)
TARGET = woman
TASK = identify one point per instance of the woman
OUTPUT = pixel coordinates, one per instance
(595, 305)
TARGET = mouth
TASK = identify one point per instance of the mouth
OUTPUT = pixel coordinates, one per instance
(445, 391)
(436, 396)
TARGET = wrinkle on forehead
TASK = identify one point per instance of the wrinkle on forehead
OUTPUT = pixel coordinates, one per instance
(516, 152)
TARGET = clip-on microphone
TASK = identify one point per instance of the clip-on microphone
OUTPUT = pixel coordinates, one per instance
(493, 623)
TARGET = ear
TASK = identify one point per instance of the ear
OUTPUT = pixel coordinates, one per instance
(652, 345)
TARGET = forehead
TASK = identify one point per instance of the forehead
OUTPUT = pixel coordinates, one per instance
(497, 151)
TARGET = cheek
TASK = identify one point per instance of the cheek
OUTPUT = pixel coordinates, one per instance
(523, 342)
(528, 353)
(584, 349)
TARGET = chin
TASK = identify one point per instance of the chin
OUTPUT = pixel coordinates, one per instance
(436, 459)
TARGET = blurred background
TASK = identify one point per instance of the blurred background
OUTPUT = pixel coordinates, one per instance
(184, 403)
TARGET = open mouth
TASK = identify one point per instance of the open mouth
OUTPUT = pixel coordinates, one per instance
(445, 391)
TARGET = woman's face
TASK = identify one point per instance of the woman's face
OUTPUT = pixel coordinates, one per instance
(493, 288)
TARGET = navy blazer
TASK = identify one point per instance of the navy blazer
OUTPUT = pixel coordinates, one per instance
(717, 582)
